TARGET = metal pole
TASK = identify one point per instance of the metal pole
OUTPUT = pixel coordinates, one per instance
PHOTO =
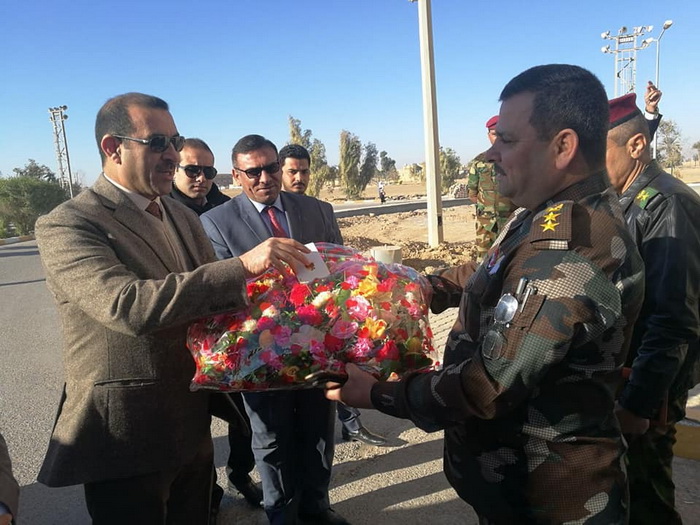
(430, 124)
(666, 25)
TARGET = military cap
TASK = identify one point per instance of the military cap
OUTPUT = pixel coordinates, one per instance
(491, 123)
(622, 109)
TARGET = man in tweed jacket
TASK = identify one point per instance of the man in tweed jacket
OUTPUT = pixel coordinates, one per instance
(129, 269)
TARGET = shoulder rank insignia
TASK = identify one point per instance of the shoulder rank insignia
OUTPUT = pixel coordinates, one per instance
(551, 228)
(643, 197)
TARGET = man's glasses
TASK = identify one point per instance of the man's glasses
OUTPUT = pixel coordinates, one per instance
(193, 171)
(254, 173)
(158, 143)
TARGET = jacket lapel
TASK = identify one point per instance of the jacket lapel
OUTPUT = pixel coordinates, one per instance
(294, 216)
(130, 216)
(250, 216)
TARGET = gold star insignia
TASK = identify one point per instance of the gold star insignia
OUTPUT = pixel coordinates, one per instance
(549, 226)
(551, 216)
(643, 196)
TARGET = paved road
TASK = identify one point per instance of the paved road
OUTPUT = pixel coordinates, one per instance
(398, 484)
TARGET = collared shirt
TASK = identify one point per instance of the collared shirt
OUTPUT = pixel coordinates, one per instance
(279, 211)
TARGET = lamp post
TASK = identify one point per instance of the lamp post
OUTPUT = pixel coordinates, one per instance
(57, 116)
(667, 24)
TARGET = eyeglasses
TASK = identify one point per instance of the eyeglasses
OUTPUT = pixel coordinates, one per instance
(193, 171)
(158, 143)
(254, 173)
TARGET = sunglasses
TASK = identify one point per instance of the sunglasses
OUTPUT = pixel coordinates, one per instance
(158, 143)
(254, 173)
(193, 171)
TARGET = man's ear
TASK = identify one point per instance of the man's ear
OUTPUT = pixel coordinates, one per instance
(565, 147)
(235, 176)
(636, 145)
(111, 148)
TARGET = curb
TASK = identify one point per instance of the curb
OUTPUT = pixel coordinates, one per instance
(12, 240)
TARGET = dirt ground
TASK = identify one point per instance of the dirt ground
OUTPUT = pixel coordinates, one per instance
(409, 230)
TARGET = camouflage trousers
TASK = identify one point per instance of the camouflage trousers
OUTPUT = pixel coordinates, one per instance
(649, 470)
(487, 228)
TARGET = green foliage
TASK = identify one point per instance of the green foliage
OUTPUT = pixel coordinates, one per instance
(35, 171)
(24, 198)
(368, 168)
(450, 167)
(670, 148)
(348, 168)
(387, 166)
(321, 173)
(296, 136)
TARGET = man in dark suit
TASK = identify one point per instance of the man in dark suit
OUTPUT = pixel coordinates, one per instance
(295, 163)
(129, 269)
(292, 430)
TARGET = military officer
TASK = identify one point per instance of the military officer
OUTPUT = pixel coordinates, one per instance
(492, 209)
(528, 408)
(662, 214)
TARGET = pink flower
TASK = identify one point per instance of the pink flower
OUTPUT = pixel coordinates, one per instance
(358, 307)
(309, 315)
(343, 329)
(271, 359)
(266, 323)
(360, 350)
(282, 335)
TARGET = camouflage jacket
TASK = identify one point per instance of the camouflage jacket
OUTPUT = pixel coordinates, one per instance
(528, 406)
(482, 186)
(662, 213)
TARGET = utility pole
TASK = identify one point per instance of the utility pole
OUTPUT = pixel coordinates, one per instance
(57, 116)
(430, 124)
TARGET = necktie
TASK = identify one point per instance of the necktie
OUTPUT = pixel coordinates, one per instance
(155, 210)
(277, 229)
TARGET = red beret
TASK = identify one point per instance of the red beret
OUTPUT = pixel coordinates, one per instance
(491, 123)
(622, 109)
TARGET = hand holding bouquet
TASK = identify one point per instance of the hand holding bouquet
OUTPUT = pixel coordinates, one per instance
(364, 312)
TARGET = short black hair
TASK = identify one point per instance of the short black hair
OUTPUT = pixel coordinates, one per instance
(622, 133)
(195, 143)
(294, 151)
(113, 117)
(566, 96)
(250, 143)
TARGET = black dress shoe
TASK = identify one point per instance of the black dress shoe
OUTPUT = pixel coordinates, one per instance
(326, 517)
(250, 491)
(364, 435)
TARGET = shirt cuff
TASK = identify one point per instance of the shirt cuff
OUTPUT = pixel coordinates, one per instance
(651, 116)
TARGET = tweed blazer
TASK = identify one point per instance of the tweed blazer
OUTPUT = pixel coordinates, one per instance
(236, 226)
(125, 305)
(9, 489)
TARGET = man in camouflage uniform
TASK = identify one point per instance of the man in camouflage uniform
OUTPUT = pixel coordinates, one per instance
(528, 405)
(492, 209)
(662, 214)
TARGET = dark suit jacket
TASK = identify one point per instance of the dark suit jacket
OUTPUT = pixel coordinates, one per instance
(9, 489)
(236, 226)
(125, 306)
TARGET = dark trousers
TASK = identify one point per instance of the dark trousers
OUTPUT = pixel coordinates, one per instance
(650, 473)
(293, 444)
(169, 497)
(349, 417)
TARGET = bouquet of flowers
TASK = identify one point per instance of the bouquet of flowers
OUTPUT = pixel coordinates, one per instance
(364, 312)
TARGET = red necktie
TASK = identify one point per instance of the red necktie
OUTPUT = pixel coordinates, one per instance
(155, 210)
(277, 229)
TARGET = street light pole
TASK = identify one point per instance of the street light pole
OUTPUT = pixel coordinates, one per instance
(430, 124)
(57, 116)
(667, 24)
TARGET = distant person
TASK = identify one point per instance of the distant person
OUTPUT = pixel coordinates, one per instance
(194, 187)
(9, 488)
(130, 269)
(380, 190)
(662, 213)
(528, 411)
(194, 184)
(295, 161)
(293, 430)
(492, 209)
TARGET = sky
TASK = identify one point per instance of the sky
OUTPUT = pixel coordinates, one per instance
(233, 67)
